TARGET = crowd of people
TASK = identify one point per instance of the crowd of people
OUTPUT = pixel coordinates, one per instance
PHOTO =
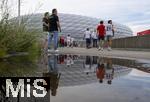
(99, 37)
(67, 41)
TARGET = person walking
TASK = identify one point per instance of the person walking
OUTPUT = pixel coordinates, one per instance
(94, 38)
(45, 21)
(101, 35)
(72, 42)
(62, 41)
(54, 28)
(87, 36)
(109, 34)
(68, 41)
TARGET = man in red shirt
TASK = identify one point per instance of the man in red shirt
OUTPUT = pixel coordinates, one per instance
(101, 34)
(100, 72)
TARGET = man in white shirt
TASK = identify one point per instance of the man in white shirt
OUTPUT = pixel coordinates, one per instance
(87, 36)
(109, 34)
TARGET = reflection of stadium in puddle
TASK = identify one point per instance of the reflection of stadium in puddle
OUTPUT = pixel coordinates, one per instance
(76, 70)
(92, 78)
(80, 76)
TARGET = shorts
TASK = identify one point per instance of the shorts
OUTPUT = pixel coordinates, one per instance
(45, 36)
(108, 38)
(101, 38)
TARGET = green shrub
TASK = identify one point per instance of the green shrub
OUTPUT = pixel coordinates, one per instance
(14, 34)
(16, 37)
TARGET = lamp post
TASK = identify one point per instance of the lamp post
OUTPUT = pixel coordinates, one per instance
(19, 11)
(19, 8)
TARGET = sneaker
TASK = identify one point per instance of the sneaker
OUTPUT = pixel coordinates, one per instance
(49, 50)
(56, 54)
(56, 50)
(99, 48)
(44, 50)
(109, 49)
(49, 54)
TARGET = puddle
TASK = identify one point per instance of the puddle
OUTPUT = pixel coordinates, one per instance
(76, 78)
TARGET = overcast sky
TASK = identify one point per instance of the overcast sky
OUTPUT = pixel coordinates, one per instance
(133, 13)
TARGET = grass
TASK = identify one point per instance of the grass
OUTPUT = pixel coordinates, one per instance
(15, 37)
(14, 34)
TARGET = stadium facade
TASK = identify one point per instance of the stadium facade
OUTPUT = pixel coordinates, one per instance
(75, 25)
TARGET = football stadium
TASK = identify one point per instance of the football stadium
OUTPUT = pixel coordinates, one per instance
(75, 25)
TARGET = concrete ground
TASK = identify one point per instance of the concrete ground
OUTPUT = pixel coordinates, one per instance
(124, 54)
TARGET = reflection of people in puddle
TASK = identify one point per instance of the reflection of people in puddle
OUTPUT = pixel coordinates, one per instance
(69, 61)
(54, 81)
(100, 72)
(94, 64)
(109, 73)
(52, 64)
(87, 65)
(54, 74)
(61, 59)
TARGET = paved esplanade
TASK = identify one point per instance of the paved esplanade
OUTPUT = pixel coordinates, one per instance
(114, 53)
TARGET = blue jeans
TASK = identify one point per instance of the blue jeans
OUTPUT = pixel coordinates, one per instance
(52, 64)
(88, 42)
(52, 35)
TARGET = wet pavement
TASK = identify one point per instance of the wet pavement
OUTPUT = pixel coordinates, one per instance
(75, 78)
